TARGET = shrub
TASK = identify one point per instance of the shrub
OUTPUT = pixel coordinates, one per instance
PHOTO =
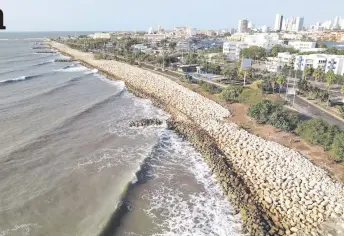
(205, 87)
(286, 121)
(231, 93)
(265, 86)
(256, 84)
(250, 96)
(261, 111)
(99, 56)
(186, 78)
(341, 110)
(318, 132)
(272, 113)
(338, 146)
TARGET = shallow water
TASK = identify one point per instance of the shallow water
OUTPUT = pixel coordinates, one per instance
(68, 159)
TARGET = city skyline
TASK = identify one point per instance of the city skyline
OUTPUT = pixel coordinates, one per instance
(38, 15)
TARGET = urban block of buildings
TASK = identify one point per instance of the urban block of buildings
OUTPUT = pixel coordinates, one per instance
(300, 62)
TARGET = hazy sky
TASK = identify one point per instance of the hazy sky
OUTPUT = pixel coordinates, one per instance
(61, 15)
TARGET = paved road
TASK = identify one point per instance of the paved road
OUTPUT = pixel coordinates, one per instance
(311, 110)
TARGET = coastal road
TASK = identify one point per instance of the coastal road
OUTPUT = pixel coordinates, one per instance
(311, 110)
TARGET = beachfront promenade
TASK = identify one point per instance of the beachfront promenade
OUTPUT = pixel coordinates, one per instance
(295, 196)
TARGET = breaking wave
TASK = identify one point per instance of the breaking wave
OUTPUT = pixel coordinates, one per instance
(23, 78)
(171, 207)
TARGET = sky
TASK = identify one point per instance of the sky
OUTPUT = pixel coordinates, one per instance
(116, 15)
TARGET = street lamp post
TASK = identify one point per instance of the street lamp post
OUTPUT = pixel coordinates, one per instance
(331, 67)
(299, 65)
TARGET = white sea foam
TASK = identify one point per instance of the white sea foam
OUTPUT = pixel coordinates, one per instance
(202, 212)
(108, 158)
(73, 68)
(14, 79)
(116, 83)
(23, 229)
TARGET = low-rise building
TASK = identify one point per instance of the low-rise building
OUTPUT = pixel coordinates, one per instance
(275, 64)
(266, 41)
(142, 48)
(232, 49)
(301, 45)
(313, 60)
(154, 37)
(335, 63)
(101, 36)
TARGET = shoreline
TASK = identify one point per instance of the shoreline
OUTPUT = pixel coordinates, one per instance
(278, 191)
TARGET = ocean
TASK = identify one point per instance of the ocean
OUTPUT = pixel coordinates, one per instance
(71, 165)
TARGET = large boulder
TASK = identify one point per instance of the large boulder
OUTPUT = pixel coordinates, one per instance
(145, 122)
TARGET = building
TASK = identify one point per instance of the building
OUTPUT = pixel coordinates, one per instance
(141, 48)
(101, 36)
(300, 45)
(278, 22)
(313, 60)
(232, 49)
(151, 30)
(237, 37)
(154, 37)
(291, 36)
(293, 24)
(298, 25)
(266, 41)
(265, 29)
(243, 26)
(335, 63)
(276, 64)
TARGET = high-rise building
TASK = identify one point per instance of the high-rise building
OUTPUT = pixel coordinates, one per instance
(243, 26)
(151, 30)
(294, 24)
(278, 22)
(298, 24)
(265, 29)
(336, 25)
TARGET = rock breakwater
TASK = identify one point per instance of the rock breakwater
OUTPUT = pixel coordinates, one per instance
(279, 191)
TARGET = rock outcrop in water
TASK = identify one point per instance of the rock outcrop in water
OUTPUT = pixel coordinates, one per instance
(145, 122)
(278, 191)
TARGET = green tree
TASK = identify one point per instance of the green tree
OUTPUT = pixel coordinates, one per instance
(318, 74)
(330, 79)
(308, 71)
(231, 93)
(342, 90)
(320, 45)
(172, 45)
(338, 147)
(261, 111)
(250, 96)
(281, 79)
(253, 52)
(318, 132)
(279, 48)
(229, 73)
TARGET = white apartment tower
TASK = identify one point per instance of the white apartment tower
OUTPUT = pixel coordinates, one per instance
(298, 24)
(278, 22)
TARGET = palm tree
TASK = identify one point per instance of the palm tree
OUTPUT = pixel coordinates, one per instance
(281, 79)
(330, 79)
(273, 83)
(318, 74)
